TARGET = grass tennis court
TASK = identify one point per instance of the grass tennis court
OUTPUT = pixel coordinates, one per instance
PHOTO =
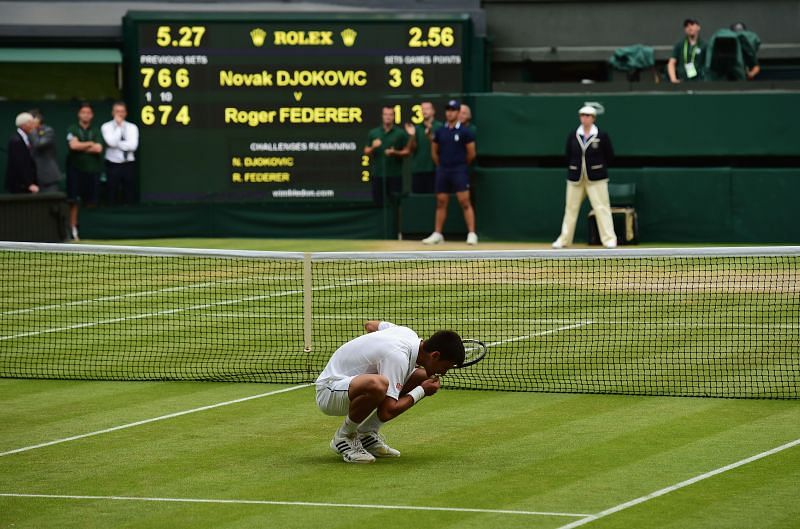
(241, 455)
(527, 453)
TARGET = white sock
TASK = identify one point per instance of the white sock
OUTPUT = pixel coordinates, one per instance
(347, 429)
(371, 424)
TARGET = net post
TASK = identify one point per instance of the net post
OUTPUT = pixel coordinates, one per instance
(307, 301)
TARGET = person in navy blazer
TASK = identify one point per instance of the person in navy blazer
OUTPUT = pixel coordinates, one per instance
(20, 166)
(588, 153)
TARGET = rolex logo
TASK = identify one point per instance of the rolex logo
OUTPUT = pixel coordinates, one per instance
(349, 37)
(258, 35)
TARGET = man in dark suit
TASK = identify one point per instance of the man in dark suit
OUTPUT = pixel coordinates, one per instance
(43, 150)
(20, 168)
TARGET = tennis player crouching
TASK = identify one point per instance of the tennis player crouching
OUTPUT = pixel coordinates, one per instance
(374, 378)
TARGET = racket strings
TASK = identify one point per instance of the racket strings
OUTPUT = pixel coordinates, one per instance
(474, 351)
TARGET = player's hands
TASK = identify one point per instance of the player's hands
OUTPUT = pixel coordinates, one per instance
(390, 151)
(431, 385)
(96, 148)
(376, 143)
(411, 130)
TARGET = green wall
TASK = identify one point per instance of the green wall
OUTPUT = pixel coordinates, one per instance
(514, 202)
(673, 204)
(651, 124)
(317, 221)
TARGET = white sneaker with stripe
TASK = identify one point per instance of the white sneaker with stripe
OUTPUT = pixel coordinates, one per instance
(375, 444)
(350, 449)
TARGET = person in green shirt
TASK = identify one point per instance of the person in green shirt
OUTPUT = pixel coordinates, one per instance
(423, 170)
(84, 164)
(688, 55)
(387, 147)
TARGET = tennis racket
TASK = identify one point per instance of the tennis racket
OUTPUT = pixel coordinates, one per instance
(475, 351)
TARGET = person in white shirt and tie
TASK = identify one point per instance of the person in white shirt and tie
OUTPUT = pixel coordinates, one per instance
(122, 140)
(588, 153)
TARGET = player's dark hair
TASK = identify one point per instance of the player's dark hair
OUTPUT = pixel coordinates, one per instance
(388, 107)
(449, 345)
(85, 104)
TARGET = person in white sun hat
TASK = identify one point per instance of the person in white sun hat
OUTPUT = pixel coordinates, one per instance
(588, 152)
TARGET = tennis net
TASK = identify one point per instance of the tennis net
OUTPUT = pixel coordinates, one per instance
(698, 322)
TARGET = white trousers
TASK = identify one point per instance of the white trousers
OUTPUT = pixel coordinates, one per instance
(597, 190)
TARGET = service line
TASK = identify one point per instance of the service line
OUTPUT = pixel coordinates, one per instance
(154, 419)
(682, 484)
(293, 504)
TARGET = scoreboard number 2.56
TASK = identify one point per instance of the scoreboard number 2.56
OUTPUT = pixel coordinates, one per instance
(435, 37)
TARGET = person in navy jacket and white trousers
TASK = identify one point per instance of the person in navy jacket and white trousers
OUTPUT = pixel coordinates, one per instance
(589, 151)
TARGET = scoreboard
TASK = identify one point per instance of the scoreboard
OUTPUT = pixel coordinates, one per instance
(255, 107)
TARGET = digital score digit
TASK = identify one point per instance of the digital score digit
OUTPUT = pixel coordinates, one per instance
(433, 36)
(180, 37)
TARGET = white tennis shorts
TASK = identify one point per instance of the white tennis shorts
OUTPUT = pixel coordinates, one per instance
(333, 398)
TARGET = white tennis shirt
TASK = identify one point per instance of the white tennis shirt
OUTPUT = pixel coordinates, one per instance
(390, 351)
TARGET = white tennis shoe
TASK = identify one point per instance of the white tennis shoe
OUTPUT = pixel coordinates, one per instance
(433, 238)
(351, 450)
(472, 238)
(375, 444)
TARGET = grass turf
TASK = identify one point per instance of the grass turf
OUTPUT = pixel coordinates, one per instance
(464, 449)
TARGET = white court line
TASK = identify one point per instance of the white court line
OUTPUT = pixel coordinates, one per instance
(142, 293)
(542, 333)
(541, 321)
(682, 484)
(154, 419)
(169, 311)
(294, 504)
(163, 290)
